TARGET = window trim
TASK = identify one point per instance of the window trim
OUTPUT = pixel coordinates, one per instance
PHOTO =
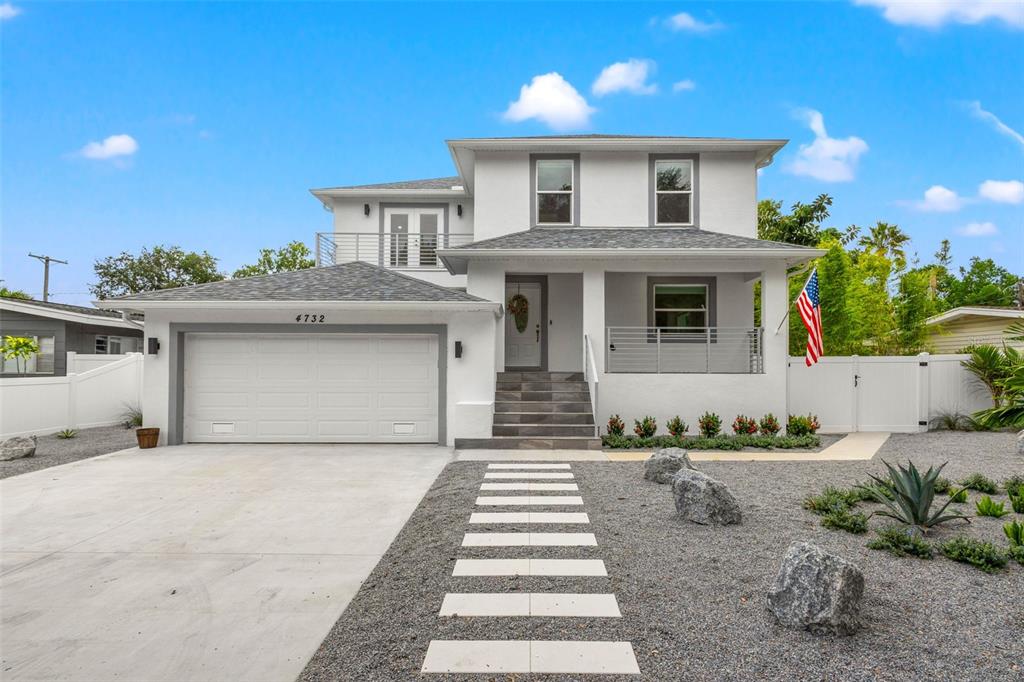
(710, 283)
(655, 309)
(574, 202)
(38, 339)
(652, 164)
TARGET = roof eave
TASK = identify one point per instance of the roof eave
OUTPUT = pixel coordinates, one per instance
(67, 315)
(455, 306)
(970, 311)
(327, 194)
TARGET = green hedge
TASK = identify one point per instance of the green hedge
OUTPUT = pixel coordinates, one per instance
(716, 443)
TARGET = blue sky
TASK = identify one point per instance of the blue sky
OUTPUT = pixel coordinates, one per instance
(204, 125)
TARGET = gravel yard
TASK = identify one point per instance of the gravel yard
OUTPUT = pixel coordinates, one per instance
(52, 451)
(692, 597)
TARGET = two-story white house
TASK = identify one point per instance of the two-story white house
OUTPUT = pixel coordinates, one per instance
(550, 283)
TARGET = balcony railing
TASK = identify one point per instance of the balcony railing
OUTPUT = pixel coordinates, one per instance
(389, 250)
(684, 350)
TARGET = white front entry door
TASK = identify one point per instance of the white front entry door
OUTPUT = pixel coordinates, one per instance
(523, 337)
(411, 237)
(328, 388)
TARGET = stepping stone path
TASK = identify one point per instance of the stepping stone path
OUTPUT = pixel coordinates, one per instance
(529, 656)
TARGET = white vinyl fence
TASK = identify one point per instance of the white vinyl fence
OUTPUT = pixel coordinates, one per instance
(886, 393)
(83, 362)
(97, 397)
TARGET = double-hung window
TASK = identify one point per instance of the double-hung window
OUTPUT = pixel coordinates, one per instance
(555, 191)
(680, 305)
(673, 192)
(38, 363)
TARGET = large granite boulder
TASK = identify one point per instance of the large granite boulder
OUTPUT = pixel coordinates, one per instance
(816, 590)
(663, 465)
(17, 447)
(702, 499)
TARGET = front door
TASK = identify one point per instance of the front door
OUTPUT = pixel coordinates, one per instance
(411, 237)
(524, 328)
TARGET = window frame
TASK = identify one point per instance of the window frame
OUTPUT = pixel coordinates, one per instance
(574, 194)
(710, 285)
(655, 309)
(35, 359)
(693, 160)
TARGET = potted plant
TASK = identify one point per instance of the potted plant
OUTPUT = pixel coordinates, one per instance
(147, 437)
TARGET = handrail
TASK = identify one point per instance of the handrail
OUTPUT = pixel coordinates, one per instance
(416, 251)
(590, 374)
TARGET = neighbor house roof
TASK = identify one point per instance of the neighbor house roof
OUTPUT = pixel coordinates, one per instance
(66, 311)
(975, 311)
(617, 241)
(348, 283)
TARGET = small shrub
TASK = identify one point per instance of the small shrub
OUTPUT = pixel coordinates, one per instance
(958, 496)
(899, 542)
(769, 425)
(952, 421)
(843, 519)
(1014, 533)
(980, 483)
(986, 506)
(830, 500)
(709, 424)
(983, 555)
(67, 434)
(131, 416)
(1014, 484)
(646, 427)
(1017, 554)
(743, 425)
(942, 485)
(676, 426)
(799, 425)
(1017, 501)
(616, 427)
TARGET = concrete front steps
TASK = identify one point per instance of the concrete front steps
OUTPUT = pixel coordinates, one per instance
(539, 411)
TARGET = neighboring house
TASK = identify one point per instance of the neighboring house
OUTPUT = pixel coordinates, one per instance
(60, 328)
(623, 267)
(955, 329)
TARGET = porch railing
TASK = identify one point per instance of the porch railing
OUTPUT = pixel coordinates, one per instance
(389, 250)
(684, 350)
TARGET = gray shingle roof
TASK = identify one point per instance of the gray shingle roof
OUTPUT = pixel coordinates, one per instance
(620, 238)
(428, 183)
(355, 281)
(65, 307)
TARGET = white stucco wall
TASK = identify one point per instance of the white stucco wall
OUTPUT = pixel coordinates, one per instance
(501, 193)
(728, 193)
(470, 379)
(613, 189)
(565, 322)
(626, 299)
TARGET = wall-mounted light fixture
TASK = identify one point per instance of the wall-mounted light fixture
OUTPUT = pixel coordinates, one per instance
(152, 345)
(458, 349)
(458, 209)
(366, 209)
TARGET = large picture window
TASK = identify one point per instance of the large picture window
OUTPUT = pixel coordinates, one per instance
(555, 191)
(40, 363)
(680, 305)
(673, 192)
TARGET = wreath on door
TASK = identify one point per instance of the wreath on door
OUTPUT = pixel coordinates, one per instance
(519, 309)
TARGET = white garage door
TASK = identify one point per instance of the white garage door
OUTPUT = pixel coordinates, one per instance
(330, 388)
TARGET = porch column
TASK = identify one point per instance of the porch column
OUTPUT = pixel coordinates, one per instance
(593, 314)
(774, 303)
(487, 280)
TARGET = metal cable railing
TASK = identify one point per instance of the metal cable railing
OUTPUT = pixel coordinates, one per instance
(683, 350)
(389, 250)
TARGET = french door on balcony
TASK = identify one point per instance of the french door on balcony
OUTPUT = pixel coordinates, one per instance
(411, 237)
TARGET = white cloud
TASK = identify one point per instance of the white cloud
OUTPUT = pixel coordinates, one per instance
(549, 98)
(938, 199)
(937, 13)
(628, 76)
(686, 22)
(993, 120)
(1002, 191)
(977, 230)
(684, 85)
(827, 158)
(110, 148)
(8, 11)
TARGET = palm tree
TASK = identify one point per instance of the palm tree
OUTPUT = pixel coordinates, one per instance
(888, 240)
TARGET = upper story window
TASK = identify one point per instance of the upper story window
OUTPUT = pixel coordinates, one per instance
(555, 188)
(673, 192)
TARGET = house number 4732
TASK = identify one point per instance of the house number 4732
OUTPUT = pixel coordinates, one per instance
(314, 318)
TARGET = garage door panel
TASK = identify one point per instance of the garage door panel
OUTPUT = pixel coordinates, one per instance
(311, 387)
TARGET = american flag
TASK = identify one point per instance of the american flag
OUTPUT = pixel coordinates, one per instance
(809, 306)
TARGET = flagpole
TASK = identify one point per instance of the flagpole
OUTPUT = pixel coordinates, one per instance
(791, 303)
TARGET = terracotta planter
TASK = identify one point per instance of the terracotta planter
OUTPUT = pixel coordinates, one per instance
(147, 437)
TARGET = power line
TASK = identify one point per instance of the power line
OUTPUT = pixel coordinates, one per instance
(46, 260)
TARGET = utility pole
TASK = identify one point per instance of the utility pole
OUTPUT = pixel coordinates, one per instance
(46, 260)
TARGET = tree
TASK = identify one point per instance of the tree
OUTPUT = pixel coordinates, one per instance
(163, 267)
(14, 293)
(292, 256)
(887, 240)
(913, 306)
(802, 226)
(19, 348)
(982, 283)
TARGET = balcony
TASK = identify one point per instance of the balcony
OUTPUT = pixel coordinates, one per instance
(684, 350)
(388, 250)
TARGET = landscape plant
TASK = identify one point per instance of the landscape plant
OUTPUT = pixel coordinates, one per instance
(744, 425)
(616, 427)
(897, 541)
(709, 425)
(913, 494)
(800, 425)
(676, 426)
(21, 349)
(1015, 482)
(831, 499)
(978, 553)
(1014, 533)
(986, 506)
(958, 496)
(943, 485)
(131, 416)
(67, 434)
(646, 427)
(769, 425)
(844, 519)
(981, 483)
(1016, 498)
(720, 442)
(1002, 373)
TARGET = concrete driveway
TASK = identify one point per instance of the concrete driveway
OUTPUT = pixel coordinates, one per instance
(198, 562)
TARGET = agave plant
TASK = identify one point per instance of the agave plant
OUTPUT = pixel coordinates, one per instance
(912, 494)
